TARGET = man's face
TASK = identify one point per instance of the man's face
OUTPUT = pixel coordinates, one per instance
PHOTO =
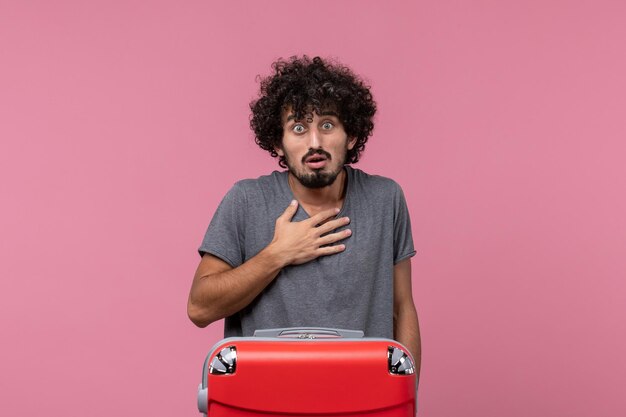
(314, 148)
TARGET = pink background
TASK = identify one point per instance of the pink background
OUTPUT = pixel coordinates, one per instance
(123, 124)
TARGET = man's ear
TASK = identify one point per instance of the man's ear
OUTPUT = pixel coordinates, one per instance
(279, 151)
(351, 143)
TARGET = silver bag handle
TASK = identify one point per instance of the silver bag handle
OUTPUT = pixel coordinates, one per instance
(309, 333)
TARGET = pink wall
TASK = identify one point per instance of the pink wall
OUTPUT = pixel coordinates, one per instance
(123, 123)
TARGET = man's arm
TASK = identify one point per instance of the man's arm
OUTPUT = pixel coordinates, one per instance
(219, 290)
(405, 324)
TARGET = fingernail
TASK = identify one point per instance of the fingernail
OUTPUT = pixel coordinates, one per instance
(337, 210)
(294, 202)
(347, 219)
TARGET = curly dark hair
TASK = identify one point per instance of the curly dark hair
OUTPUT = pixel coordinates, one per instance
(312, 85)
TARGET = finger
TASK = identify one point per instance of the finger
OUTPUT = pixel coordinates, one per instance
(332, 225)
(289, 211)
(334, 237)
(329, 250)
(323, 215)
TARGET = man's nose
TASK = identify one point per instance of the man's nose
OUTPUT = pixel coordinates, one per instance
(314, 138)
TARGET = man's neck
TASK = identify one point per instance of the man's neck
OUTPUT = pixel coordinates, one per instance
(317, 199)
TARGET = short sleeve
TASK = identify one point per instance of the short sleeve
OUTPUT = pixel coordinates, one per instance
(224, 237)
(402, 235)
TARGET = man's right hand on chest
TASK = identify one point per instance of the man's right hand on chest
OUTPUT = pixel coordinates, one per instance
(295, 243)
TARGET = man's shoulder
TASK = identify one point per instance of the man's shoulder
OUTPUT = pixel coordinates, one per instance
(377, 182)
(270, 180)
(261, 186)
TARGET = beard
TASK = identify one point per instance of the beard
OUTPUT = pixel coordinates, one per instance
(318, 178)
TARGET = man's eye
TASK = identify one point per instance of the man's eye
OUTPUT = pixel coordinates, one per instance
(327, 125)
(298, 128)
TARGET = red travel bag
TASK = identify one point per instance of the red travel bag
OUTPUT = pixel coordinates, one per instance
(310, 372)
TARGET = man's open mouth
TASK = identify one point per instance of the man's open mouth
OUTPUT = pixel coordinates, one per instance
(316, 161)
(316, 158)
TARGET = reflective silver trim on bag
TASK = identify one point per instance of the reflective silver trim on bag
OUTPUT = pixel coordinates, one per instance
(225, 362)
(399, 362)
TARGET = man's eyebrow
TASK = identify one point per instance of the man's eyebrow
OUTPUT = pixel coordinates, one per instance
(324, 113)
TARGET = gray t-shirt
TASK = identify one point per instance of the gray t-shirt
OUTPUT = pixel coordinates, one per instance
(349, 290)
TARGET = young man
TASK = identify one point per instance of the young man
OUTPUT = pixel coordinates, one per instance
(321, 244)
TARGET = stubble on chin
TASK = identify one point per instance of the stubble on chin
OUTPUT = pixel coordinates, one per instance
(315, 179)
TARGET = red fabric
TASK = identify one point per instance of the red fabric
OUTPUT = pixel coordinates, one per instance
(313, 377)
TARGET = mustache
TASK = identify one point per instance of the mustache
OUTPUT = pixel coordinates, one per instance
(312, 152)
